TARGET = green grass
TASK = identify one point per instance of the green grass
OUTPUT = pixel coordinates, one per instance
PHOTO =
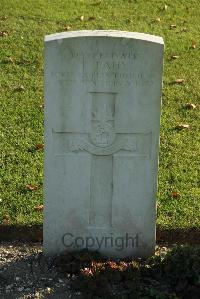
(24, 24)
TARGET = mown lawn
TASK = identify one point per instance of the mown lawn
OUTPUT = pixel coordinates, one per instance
(23, 26)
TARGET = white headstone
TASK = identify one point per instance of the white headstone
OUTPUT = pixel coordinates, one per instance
(102, 120)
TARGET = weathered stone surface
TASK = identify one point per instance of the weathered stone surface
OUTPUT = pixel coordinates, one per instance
(102, 120)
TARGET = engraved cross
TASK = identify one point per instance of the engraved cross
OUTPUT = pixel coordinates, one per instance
(102, 142)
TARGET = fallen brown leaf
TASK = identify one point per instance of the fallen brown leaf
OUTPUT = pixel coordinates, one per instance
(49, 290)
(39, 146)
(184, 29)
(3, 18)
(174, 56)
(24, 61)
(31, 187)
(175, 194)
(19, 88)
(9, 60)
(39, 208)
(157, 205)
(67, 28)
(5, 220)
(6, 217)
(3, 33)
(179, 81)
(165, 7)
(190, 106)
(182, 127)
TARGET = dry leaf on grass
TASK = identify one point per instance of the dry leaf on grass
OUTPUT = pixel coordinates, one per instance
(179, 81)
(174, 56)
(190, 106)
(39, 208)
(165, 7)
(175, 194)
(193, 46)
(184, 29)
(3, 18)
(182, 126)
(6, 220)
(157, 205)
(19, 88)
(39, 146)
(48, 290)
(9, 60)
(3, 33)
(31, 187)
(24, 61)
(67, 28)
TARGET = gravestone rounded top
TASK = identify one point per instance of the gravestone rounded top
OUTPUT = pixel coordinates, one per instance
(102, 120)
(105, 33)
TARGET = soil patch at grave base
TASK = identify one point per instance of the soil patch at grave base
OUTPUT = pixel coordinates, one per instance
(33, 233)
(25, 273)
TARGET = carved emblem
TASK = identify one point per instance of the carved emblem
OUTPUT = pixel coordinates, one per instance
(102, 139)
(103, 133)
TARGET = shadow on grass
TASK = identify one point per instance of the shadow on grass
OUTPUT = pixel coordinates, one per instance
(30, 233)
(33, 233)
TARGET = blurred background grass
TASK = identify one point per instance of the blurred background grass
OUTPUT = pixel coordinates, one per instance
(23, 26)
